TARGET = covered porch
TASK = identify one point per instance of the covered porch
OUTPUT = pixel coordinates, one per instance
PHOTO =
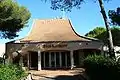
(58, 59)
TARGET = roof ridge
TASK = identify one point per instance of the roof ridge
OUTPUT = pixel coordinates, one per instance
(52, 19)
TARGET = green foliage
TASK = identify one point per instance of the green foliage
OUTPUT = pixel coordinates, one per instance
(100, 33)
(116, 33)
(95, 32)
(99, 67)
(11, 72)
(12, 18)
(67, 5)
(1, 60)
(114, 15)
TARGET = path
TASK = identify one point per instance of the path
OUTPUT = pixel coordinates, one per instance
(76, 74)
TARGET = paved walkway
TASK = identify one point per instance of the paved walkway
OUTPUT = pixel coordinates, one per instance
(76, 74)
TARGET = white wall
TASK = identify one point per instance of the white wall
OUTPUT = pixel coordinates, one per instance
(2, 50)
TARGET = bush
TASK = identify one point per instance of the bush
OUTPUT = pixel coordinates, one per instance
(99, 67)
(1, 60)
(11, 72)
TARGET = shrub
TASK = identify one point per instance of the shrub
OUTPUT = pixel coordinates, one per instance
(11, 72)
(99, 67)
(1, 60)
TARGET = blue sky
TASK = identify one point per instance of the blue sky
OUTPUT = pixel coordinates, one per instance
(83, 20)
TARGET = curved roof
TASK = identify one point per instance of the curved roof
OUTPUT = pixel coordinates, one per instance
(53, 30)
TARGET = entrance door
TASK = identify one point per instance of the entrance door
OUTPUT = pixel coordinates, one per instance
(55, 59)
(33, 60)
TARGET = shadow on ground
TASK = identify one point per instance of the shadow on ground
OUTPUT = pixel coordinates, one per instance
(64, 77)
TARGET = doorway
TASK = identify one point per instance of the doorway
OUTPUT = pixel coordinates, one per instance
(55, 59)
(33, 60)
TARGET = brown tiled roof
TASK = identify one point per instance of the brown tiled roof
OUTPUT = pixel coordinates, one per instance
(53, 30)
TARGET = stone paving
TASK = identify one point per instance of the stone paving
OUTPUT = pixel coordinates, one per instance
(76, 74)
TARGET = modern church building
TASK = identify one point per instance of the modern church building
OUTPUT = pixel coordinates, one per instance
(52, 44)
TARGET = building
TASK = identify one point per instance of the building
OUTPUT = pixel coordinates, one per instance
(2, 50)
(52, 44)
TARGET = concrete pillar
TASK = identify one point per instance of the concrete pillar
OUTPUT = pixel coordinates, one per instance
(72, 59)
(60, 59)
(39, 60)
(55, 58)
(49, 59)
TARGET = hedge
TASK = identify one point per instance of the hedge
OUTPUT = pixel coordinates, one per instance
(99, 67)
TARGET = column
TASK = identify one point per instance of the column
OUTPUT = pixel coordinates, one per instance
(39, 60)
(55, 58)
(72, 59)
(49, 59)
(60, 59)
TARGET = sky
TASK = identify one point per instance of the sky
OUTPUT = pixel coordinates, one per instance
(83, 20)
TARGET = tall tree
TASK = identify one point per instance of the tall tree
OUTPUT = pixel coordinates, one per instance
(114, 15)
(67, 5)
(12, 18)
(110, 41)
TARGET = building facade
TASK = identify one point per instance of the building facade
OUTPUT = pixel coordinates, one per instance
(52, 44)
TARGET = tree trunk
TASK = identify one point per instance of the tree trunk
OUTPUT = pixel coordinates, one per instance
(109, 35)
